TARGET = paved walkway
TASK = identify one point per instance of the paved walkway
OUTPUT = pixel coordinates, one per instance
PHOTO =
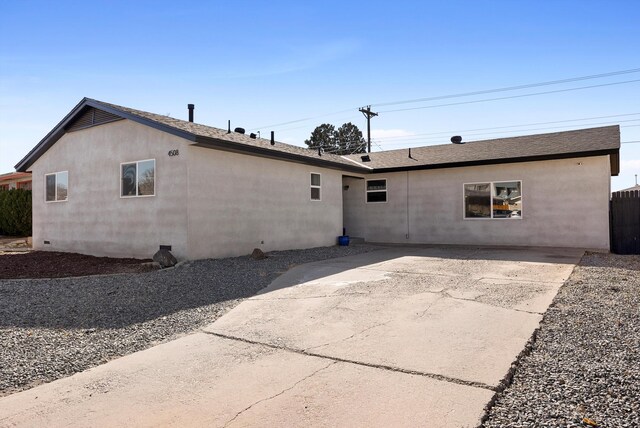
(397, 337)
(11, 244)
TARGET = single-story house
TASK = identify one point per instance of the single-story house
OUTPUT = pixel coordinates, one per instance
(15, 180)
(114, 181)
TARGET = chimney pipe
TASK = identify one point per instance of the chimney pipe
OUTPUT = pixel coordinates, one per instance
(229, 127)
(273, 139)
(190, 107)
(410, 153)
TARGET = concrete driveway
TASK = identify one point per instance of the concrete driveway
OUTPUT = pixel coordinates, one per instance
(404, 336)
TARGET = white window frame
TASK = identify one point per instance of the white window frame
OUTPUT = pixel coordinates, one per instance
(154, 179)
(366, 191)
(315, 187)
(55, 197)
(491, 185)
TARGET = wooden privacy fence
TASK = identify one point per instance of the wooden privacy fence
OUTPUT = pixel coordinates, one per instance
(625, 222)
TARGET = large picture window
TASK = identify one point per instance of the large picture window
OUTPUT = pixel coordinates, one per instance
(377, 190)
(56, 186)
(489, 200)
(138, 178)
(315, 187)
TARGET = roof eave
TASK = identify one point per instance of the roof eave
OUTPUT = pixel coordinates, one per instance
(59, 130)
(614, 156)
(229, 146)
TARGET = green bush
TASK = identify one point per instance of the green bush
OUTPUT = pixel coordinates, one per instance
(15, 212)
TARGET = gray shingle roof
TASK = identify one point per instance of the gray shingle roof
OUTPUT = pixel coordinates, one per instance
(530, 147)
(238, 139)
(583, 142)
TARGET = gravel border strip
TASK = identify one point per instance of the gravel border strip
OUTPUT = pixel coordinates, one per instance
(582, 365)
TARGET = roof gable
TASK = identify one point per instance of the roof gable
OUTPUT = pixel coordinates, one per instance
(91, 112)
(90, 116)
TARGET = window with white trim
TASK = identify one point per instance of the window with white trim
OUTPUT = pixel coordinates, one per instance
(56, 186)
(491, 200)
(315, 187)
(138, 178)
(377, 190)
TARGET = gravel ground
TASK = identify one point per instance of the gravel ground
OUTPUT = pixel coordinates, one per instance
(52, 328)
(583, 368)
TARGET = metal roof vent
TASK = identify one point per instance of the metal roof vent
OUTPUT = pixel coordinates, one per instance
(365, 158)
(239, 130)
(190, 107)
(456, 139)
(252, 135)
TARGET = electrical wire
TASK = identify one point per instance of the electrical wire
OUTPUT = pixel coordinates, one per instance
(481, 92)
(514, 126)
(511, 88)
(408, 139)
(511, 96)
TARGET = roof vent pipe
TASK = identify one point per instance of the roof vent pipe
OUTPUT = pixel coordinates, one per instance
(229, 127)
(319, 151)
(410, 153)
(273, 138)
(191, 107)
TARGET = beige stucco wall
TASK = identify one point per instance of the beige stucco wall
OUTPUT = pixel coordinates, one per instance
(95, 220)
(565, 203)
(239, 202)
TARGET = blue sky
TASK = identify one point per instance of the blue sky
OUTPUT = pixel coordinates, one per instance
(261, 64)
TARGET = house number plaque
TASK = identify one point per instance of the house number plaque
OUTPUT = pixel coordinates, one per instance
(174, 152)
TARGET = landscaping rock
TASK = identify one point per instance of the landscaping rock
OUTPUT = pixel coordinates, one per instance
(165, 258)
(258, 254)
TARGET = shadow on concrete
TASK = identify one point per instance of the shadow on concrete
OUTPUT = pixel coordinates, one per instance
(117, 301)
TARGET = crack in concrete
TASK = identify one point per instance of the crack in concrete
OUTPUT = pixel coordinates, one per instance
(279, 393)
(324, 296)
(423, 313)
(435, 376)
(349, 337)
(447, 295)
(456, 275)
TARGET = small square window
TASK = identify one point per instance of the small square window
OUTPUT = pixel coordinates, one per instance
(315, 187)
(377, 190)
(138, 178)
(56, 186)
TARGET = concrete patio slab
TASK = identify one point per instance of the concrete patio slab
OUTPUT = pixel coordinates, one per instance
(416, 336)
(203, 380)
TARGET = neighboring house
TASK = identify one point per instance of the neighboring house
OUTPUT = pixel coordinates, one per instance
(631, 189)
(15, 180)
(115, 181)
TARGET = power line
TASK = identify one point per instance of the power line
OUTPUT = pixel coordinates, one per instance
(434, 138)
(514, 126)
(481, 92)
(512, 96)
(438, 139)
(512, 88)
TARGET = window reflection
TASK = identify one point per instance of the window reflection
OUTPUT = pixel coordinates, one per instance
(477, 200)
(493, 200)
(507, 200)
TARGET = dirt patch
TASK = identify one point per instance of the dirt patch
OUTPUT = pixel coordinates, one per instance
(51, 264)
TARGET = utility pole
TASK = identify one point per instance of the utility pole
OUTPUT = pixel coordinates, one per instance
(368, 114)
